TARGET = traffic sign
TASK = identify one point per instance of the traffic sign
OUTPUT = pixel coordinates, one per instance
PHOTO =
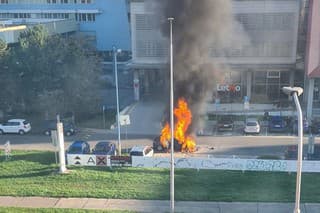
(124, 120)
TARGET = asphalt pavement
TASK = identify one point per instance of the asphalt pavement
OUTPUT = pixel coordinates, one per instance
(158, 206)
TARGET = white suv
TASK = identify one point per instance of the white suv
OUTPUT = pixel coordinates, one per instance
(20, 126)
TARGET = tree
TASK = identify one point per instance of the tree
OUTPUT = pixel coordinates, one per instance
(3, 46)
(54, 74)
(6, 79)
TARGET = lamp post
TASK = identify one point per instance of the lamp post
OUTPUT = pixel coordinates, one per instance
(171, 121)
(295, 92)
(115, 52)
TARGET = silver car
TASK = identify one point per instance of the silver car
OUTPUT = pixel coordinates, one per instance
(252, 126)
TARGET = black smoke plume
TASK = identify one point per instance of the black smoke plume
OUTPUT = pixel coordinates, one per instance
(199, 27)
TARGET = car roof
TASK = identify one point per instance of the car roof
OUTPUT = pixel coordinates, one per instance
(78, 142)
(16, 120)
(55, 121)
(252, 120)
(104, 143)
(138, 148)
(277, 117)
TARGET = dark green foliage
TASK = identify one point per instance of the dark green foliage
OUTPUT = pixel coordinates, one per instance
(50, 74)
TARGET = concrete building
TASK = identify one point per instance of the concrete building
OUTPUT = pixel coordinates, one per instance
(312, 60)
(259, 70)
(104, 22)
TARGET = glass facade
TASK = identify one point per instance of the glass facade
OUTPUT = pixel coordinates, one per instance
(265, 86)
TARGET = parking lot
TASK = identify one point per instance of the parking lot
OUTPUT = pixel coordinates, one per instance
(211, 129)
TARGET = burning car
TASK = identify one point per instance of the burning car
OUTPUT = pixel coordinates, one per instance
(183, 141)
(158, 147)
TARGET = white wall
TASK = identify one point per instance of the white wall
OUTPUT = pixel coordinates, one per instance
(227, 164)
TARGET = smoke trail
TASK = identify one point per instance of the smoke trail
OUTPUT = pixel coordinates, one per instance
(199, 26)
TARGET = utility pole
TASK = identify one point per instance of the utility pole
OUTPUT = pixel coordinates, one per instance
(171, 121)
(115, 52)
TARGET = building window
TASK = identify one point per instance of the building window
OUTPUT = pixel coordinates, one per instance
(85, 17)
(85, 1)
(4, 2)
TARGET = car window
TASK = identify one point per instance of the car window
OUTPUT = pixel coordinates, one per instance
(278, 122)
(68, 125)
(101, 147)
(52, 125)
(252, 123)
(74, 149)
(136, 153)
(25, 122)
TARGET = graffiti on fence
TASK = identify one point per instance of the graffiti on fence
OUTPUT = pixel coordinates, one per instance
(183, 163)
(212, 164)
(266, 165)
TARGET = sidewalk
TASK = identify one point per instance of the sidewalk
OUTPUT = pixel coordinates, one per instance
(155, 205)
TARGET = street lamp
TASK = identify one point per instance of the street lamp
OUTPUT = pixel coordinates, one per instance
(115, 52)
(295, 92)
(171, 121)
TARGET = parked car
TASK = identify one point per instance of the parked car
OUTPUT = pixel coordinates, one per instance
(104, 148)
(305, 124)
(19, 126)
(157, 147)
(145, 151)
(225, 123)
(316, 153)
(252, 126)
(315, 127)
(291, 152)
(68, 127)
(79, 147)
(278, 124)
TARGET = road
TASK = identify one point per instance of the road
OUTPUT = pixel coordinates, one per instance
(146, 116)
(243, 146)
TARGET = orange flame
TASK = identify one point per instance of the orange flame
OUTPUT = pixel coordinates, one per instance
(165, 136)
(183, 120)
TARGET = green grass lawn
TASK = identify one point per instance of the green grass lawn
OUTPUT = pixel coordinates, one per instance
(48, 210)
(34, 174)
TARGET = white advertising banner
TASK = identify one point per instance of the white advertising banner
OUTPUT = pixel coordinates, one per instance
(88, 160)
